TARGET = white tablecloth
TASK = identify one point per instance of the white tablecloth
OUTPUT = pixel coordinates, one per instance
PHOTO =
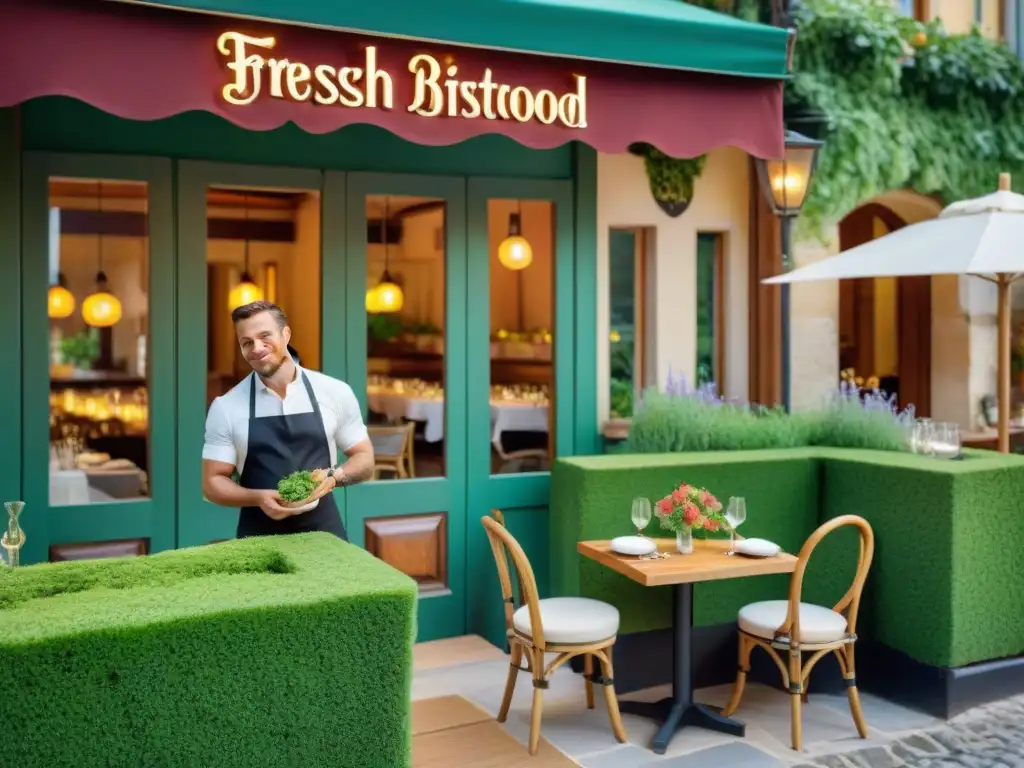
(69, 487)
(505, 416)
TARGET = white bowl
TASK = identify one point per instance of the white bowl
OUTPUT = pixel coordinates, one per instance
(304, 508)
(633, 545)
(757, 547)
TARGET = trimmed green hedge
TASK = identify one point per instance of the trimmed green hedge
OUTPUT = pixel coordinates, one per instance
(947, 579)
(292, 650)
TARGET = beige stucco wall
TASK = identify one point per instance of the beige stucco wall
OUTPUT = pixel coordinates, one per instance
(958, 16)
(720, 204)
(963, 329)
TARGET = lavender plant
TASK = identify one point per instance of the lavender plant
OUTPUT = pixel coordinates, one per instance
(683, 418)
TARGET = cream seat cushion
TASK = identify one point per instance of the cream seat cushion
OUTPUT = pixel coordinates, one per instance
(570, 620)
(817, 624)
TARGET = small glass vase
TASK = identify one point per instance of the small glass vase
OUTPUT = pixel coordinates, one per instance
(13, 537)
(684, 541)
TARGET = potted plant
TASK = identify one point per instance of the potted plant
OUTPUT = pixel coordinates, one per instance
(81, 350)
(687, 509)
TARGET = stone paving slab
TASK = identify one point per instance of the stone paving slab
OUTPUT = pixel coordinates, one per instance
(987, 737)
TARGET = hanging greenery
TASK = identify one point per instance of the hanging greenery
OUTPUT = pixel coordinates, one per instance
(671, 179)
(900, 104)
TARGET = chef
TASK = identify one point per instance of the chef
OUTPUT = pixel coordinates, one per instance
(278, 420)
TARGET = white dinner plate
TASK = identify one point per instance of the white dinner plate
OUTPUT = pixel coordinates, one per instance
(633, 545)
(304, 507)
(757, 547)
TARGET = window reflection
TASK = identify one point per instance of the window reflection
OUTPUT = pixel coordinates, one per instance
(522, 334)
(405, 306)
(98, 307)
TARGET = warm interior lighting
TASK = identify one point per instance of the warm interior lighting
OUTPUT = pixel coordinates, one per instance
(101, 309)
(372, 304)
(246, 292)
(60, 302)
(515, 251)
(387, 296)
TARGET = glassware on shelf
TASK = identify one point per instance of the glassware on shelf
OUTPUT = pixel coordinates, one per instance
(14, 537)
(946, 441)
(641, 514)
(735, 514)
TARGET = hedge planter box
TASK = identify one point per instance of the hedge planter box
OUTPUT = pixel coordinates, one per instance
(945, 586)
(245, 653)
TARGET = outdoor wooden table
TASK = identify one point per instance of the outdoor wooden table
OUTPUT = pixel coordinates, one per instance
(707, 562)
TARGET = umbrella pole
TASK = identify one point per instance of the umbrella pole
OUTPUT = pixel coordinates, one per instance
(1003, 366)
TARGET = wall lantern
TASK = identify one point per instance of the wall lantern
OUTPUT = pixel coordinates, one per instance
(785, 182)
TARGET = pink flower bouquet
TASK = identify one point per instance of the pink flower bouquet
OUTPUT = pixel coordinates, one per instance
(689, 508)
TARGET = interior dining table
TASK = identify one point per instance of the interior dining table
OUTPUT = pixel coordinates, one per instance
(709, 561)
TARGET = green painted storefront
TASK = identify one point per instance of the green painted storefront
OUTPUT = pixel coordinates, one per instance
(179, 158)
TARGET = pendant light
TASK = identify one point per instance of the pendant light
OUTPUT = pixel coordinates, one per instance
(387, 297)
(101, 309)
(60, 302)
(515, 252)
(246, 292)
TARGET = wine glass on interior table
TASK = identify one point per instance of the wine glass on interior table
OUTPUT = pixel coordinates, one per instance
(735, 514)
(641, 514)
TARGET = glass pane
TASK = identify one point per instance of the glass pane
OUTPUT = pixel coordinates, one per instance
(622, 309)
(708, 311)
(405, 307)
(261, 245)
(99, 326)
(522, 244)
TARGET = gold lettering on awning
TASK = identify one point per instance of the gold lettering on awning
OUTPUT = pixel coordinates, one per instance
(436, 90)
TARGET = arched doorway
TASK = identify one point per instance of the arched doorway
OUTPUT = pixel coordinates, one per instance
(885, 324)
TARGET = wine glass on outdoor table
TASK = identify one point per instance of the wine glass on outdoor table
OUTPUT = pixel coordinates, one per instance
(641, 514)
(735, 514)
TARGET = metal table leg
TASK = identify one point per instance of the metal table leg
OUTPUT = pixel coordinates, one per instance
(679, 710)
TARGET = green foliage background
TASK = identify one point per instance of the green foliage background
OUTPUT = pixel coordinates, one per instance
(900, 104)
(903, 105)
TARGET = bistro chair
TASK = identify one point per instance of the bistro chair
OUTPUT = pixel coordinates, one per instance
(792, 628)
(564, 626)
(392, 450)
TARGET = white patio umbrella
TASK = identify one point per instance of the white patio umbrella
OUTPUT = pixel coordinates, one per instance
(983, 237)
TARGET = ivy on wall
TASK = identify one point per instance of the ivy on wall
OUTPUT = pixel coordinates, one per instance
(900, 104)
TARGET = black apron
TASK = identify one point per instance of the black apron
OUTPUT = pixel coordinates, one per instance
(278, 446)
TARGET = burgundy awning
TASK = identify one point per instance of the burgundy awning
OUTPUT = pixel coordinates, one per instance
(145, 64)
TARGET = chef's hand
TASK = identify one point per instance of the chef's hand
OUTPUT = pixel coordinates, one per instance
(325, 484)
(270, 503)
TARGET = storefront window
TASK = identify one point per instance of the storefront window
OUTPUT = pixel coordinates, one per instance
(522, 246)
(710, 310)
(405, 306)
(626, 259)
(99, 328)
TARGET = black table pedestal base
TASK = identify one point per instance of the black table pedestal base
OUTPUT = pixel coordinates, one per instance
(675, 716)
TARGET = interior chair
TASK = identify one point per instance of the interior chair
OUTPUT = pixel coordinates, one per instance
(524, 460)
(791, 628)
(564, 626)
(392, 450)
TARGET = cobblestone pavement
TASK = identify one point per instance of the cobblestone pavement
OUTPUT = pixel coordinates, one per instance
(987, 737)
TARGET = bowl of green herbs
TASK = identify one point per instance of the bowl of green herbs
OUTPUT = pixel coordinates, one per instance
(295, 490)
